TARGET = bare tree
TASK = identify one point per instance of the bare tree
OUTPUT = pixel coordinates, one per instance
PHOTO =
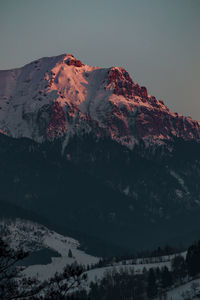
(64, 284)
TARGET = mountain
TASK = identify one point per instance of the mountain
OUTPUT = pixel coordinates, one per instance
(92, 152)
(61, 97)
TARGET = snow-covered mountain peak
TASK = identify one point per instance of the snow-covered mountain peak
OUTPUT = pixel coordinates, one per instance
(60, 96)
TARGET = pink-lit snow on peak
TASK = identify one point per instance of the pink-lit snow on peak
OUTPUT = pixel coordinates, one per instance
(60, 96)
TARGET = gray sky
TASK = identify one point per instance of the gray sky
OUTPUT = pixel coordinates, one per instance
(157, 41)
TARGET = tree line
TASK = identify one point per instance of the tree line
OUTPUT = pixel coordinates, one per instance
(122, 284)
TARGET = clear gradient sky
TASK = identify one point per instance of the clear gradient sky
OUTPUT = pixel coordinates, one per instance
(157, 41)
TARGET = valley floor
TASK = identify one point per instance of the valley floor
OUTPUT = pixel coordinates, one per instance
(35, 236)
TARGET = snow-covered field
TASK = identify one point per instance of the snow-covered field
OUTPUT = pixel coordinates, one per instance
(151, 260)
(137, 266)
(98, 273)
(62, 245)
(32, 236)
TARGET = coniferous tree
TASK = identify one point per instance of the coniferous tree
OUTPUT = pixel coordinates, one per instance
(193, 259)
(151, 284)
(179, 267)
(70, 253)
(166, 277)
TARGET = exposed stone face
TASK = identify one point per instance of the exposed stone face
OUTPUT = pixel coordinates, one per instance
(164, 125)
(43, 119)
(153, 120)
(144, 92)
(57, 126)
(73, 62)
(118, 125)
(122, 84)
